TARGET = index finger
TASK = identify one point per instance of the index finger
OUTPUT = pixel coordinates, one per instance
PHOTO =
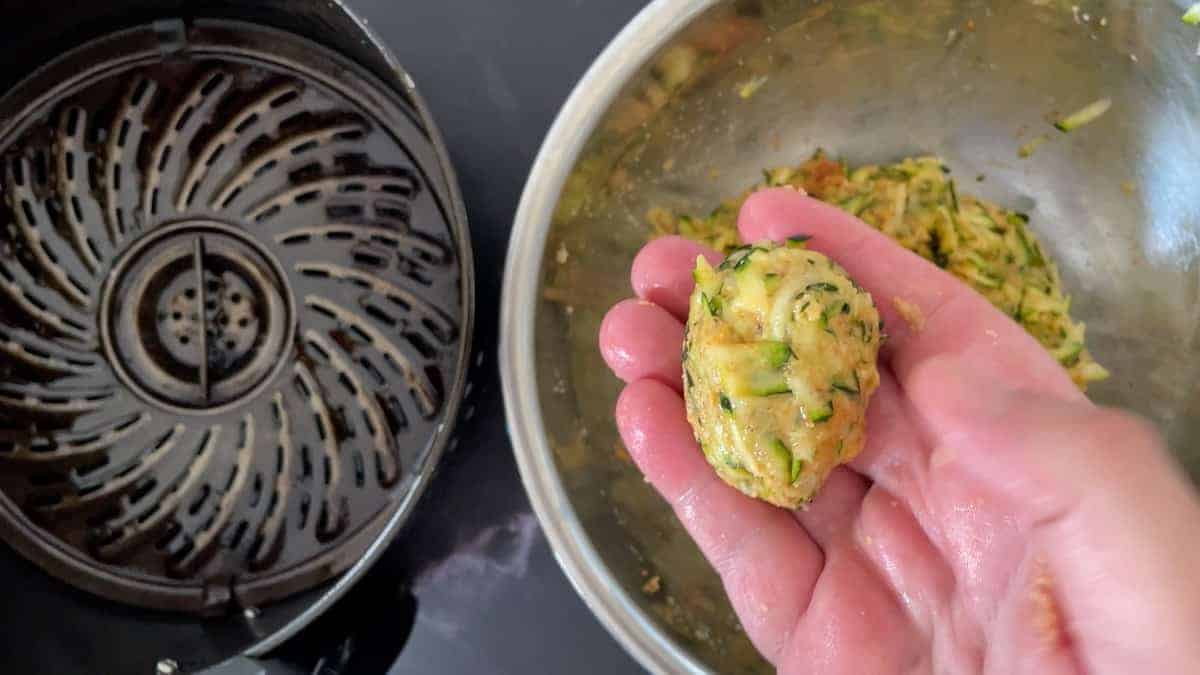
(941, 315)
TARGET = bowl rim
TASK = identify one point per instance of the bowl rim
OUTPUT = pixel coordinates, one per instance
(640, 39)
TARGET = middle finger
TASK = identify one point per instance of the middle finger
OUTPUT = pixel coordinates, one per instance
(662, 272)
(639, 339)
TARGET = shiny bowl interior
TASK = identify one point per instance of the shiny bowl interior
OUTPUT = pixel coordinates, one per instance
(664, 119)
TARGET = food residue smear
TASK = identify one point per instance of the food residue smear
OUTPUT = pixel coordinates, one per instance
(911, 314)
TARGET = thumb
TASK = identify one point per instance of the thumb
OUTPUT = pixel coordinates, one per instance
(1051, 453)
(1104, 505)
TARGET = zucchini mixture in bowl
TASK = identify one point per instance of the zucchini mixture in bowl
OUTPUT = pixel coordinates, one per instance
(916, 203)
(779, 365)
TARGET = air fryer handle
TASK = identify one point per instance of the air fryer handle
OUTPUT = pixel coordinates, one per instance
(241, 665)
(245, 665)
(350, 639)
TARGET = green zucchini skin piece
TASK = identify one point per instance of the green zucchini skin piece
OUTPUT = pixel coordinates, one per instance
(1085, 115)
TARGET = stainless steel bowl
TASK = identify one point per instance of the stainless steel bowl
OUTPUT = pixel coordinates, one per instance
(665, 117)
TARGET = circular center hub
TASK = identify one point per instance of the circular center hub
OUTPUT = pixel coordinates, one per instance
(197, 316)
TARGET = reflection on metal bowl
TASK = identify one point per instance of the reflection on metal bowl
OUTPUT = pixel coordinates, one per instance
(695, 98)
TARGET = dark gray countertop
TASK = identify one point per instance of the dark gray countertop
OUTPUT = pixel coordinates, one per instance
(489, 596)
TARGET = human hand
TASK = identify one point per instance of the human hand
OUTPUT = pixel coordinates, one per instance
(996, 522)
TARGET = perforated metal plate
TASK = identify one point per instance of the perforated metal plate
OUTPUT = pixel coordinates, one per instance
(231, 315)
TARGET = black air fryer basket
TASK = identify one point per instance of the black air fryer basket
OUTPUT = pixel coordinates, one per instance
(235, 308)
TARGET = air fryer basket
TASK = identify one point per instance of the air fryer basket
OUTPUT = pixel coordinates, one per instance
(234, 312)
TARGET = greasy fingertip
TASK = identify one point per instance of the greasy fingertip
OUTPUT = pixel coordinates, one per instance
(662, 272)
(639, 339)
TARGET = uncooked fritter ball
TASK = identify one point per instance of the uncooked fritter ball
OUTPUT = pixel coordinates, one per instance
(779, 364)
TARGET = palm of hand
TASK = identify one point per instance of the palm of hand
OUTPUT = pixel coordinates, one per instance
(964, 538)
